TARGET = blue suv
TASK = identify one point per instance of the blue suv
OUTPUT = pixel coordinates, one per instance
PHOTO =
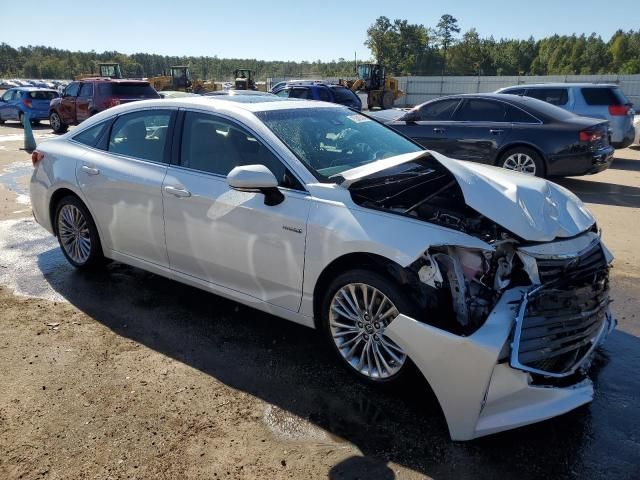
(321, 91)
(595, 100)
(16, 101)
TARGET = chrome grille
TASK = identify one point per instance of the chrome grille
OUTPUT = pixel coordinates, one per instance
(560, 322)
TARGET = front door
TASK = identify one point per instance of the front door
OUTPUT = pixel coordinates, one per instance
(123, 184)
(227, 237)
(84, 102)
(68, 103)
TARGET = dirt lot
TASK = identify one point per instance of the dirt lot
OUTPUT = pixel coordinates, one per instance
(124, 374)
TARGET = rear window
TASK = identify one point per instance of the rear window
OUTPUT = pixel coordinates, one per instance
(540, 107)
(554, 96)
(43, 95)
(91, 135)
(143, 90)
(603, 96)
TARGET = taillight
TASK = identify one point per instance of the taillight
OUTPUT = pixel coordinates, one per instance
(618, 110)
(590, 136)
(113, 102)
(27, 102)
(36, 156)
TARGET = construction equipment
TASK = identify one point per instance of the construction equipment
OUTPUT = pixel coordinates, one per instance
(105, 70)
(180, 79)
(244, 79)
(381, 90)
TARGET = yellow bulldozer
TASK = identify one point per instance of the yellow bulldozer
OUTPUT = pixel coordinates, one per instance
(180, 79)
(105, 70)
(381, 90)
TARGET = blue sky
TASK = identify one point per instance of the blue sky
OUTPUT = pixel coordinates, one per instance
(272, 30)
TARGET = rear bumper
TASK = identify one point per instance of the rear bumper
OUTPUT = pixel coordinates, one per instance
(586, 163)
(479, 392)
(38, 114)
(627, 138)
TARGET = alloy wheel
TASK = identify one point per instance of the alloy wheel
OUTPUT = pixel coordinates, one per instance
(73, 231)
(520, 162)
(54, 120)
(359, 314)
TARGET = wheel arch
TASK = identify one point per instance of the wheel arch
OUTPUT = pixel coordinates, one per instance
(520, 143)
(356, 260)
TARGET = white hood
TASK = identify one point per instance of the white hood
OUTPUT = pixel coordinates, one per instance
(532, 208)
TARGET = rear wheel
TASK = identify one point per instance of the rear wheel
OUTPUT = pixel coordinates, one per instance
(387, 100)
(356, 310)
(524, 160)
(77, 234)
(21, 119)
(56, 122)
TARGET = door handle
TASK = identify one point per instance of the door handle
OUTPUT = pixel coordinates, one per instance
(495, 131)
(438, 130)
(90, 170)
(177, 192)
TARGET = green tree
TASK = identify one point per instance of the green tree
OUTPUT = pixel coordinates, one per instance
(445, 32)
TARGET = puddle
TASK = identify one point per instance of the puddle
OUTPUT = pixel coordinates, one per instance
(10, 176)
(30, 260)
(287, 426)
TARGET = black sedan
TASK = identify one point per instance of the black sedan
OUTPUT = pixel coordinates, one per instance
(518, 133)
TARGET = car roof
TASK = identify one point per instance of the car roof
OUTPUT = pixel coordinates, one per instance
(112, 80)
(562, 85)
(34, 89)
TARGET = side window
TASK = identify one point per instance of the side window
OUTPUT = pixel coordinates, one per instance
(71, 90)
(481, 111)
(86, 90)
(441, 110)
(323, 94)
(283, 93)
(215, 145)
(91, 135)
(600, 96)
(517, 115)
(300, 93)
(141, 134)
(554, 96)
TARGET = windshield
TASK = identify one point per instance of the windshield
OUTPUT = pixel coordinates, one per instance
(330, 141)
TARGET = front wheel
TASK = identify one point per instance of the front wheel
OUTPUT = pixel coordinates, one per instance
(524, 160)
(358, 307)
(56, 122)
(77, 234)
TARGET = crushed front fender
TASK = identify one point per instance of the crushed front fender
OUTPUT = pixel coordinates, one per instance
(478, 390)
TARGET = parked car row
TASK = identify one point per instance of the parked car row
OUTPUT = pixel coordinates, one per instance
(493, 284)
(513, 132)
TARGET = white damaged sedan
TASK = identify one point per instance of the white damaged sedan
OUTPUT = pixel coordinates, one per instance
(493, 284)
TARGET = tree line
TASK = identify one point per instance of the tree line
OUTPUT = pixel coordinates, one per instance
(403, 48)
(413, 49)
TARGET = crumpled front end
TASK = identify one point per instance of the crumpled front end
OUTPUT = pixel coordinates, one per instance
(526, 359)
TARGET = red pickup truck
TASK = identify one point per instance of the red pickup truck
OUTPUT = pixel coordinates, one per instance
(83, 98)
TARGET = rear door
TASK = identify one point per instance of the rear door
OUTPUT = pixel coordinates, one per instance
(433, 124)
(481, 127)
(122, 182)
(84, 101)
(68, 103)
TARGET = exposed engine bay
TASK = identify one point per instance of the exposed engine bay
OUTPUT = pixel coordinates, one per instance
(461, 285)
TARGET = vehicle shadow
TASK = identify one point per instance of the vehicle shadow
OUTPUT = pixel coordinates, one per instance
(625, 164)
(18, 126)
(602, 193)
(288, 366)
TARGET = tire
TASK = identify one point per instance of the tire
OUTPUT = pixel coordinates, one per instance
(21, 119)
(523, 159)
(77, 234)
(387, 100)
(380, 368)
(57, 125)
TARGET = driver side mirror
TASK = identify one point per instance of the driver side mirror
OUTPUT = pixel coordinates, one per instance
(256, 178)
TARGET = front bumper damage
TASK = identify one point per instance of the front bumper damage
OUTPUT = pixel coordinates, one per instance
(479, 390)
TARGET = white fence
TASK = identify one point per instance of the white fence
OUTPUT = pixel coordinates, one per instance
(420, 89)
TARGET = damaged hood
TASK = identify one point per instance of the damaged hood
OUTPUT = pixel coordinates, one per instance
(532, 208)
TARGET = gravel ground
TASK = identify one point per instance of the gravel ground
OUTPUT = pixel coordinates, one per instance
(124, 374)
